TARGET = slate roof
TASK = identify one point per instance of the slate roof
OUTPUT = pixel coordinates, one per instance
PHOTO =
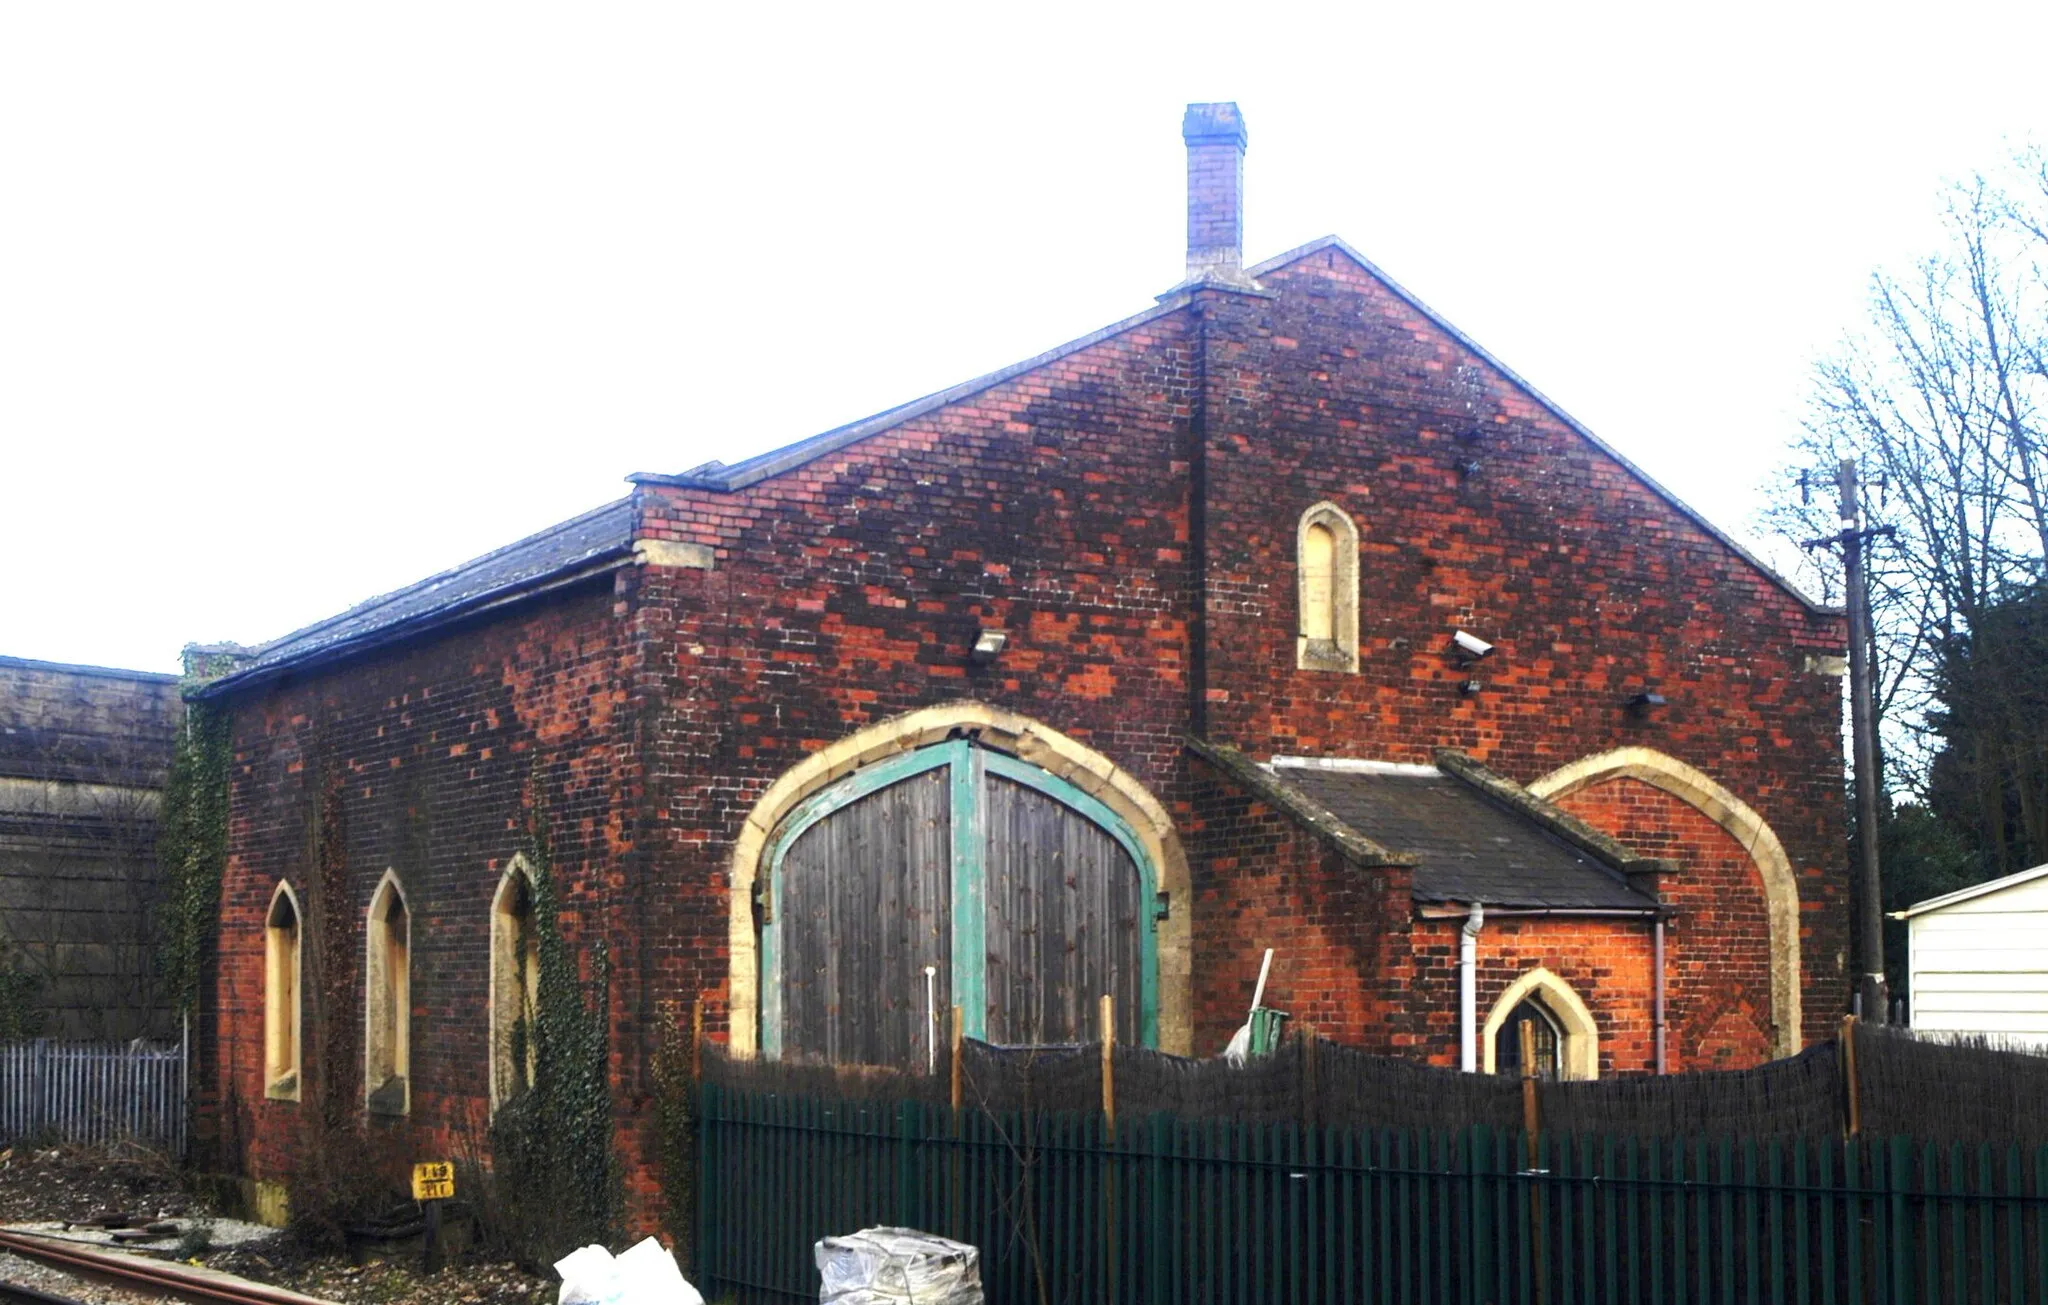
(453, 592)
(1468, 848)
(563, 549)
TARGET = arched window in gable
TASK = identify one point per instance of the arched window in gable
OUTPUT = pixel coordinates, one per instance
(1326, 567)
(515, 983)
(387, 1002)
(281, 1000)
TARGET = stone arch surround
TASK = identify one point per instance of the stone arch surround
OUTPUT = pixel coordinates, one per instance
(1027, 740)
(1581, 1058)
(1749, 831)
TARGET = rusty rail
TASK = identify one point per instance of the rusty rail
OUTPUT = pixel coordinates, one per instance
(151, 1274)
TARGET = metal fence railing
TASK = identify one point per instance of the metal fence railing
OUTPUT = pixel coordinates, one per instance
(94, 1092)
(1168, 1211)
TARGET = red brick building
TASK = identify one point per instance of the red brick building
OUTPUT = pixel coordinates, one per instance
(1278, 615)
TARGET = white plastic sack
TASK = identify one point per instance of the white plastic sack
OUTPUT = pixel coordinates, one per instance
(897, 1266)
(645, 1275)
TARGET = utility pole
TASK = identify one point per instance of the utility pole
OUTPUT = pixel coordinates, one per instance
(1863, 731)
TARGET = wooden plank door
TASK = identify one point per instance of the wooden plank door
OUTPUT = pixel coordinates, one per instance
(865, 902)
(1063, 926)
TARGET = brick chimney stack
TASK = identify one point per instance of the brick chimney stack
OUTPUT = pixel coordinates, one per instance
(1215, 138)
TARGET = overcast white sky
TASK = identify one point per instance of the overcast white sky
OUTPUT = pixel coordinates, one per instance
(301, 303)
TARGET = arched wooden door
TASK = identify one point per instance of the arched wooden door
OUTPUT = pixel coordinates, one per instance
(1029, 899)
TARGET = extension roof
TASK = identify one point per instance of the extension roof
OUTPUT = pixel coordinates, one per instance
(1470, 835)
(606, 532)
(560, 554)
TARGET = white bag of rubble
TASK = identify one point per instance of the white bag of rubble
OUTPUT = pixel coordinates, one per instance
(645, 1275)
(897, 1266)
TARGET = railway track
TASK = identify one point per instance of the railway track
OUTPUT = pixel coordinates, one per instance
(170, 1281)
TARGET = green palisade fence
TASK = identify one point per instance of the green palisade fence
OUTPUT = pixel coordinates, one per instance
(1203, 1212)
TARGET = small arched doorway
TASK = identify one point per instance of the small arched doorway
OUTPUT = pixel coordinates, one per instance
(1025, 897)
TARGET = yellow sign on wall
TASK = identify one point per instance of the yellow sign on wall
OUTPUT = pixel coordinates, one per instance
(433, 1181)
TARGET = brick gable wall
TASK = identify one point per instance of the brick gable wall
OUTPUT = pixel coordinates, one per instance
(1055, 506)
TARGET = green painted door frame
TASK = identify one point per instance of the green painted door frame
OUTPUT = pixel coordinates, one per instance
(969, 767)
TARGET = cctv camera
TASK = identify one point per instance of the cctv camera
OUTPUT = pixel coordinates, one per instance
(1472, 646)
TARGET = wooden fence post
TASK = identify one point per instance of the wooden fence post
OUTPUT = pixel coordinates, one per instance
(697, 1041)
(1311, 1079)
(956, 1199)
(1852, 1097)
(1109, 1140)
(1532, 1129)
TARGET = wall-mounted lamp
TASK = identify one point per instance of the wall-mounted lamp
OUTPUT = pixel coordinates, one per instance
(988, 646)
(1642, 704)
(1469, 687)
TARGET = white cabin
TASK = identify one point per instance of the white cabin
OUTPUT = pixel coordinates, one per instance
(1977, 959)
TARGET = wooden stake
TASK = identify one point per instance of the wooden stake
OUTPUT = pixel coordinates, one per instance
(957, 1085)
(697, 1039)
(1853, 1098)
(1311, 1088)
(1109, 1218)
(1531, 1121)
(959, 1093)
(1532, 1124)
(1109, 1063)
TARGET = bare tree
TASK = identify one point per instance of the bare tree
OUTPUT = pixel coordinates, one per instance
(1941, 398)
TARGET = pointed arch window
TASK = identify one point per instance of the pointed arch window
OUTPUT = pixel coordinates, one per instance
(387, 1002)
(1326, 568)
(515, 983)
(1565, 1040)
(282, 1004)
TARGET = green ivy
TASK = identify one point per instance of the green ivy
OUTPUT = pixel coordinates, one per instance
(20, 1019)
(552, 1144)
(675, 1096)
(192, 848)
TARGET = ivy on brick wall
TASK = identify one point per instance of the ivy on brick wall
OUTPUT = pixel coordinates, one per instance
(675, 1095)
(192, 848)
(19, 1016)
(552, 1144)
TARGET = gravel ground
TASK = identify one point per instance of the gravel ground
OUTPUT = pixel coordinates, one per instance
(56, 1190)
(29, 1273)
(74, 1184)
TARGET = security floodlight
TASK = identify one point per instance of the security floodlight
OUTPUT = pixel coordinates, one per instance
(989, 645)
(1471, 646)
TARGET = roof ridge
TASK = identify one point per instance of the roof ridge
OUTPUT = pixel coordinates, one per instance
(1609, 852)
(1549, 404)
(751, 471)
(438, 577)
(1311, 814)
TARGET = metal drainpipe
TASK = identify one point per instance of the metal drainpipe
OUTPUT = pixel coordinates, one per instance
(1468, 997)
(1659, 962)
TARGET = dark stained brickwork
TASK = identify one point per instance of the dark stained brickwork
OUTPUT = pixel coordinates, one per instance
(1059, 506)
(430, 750)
